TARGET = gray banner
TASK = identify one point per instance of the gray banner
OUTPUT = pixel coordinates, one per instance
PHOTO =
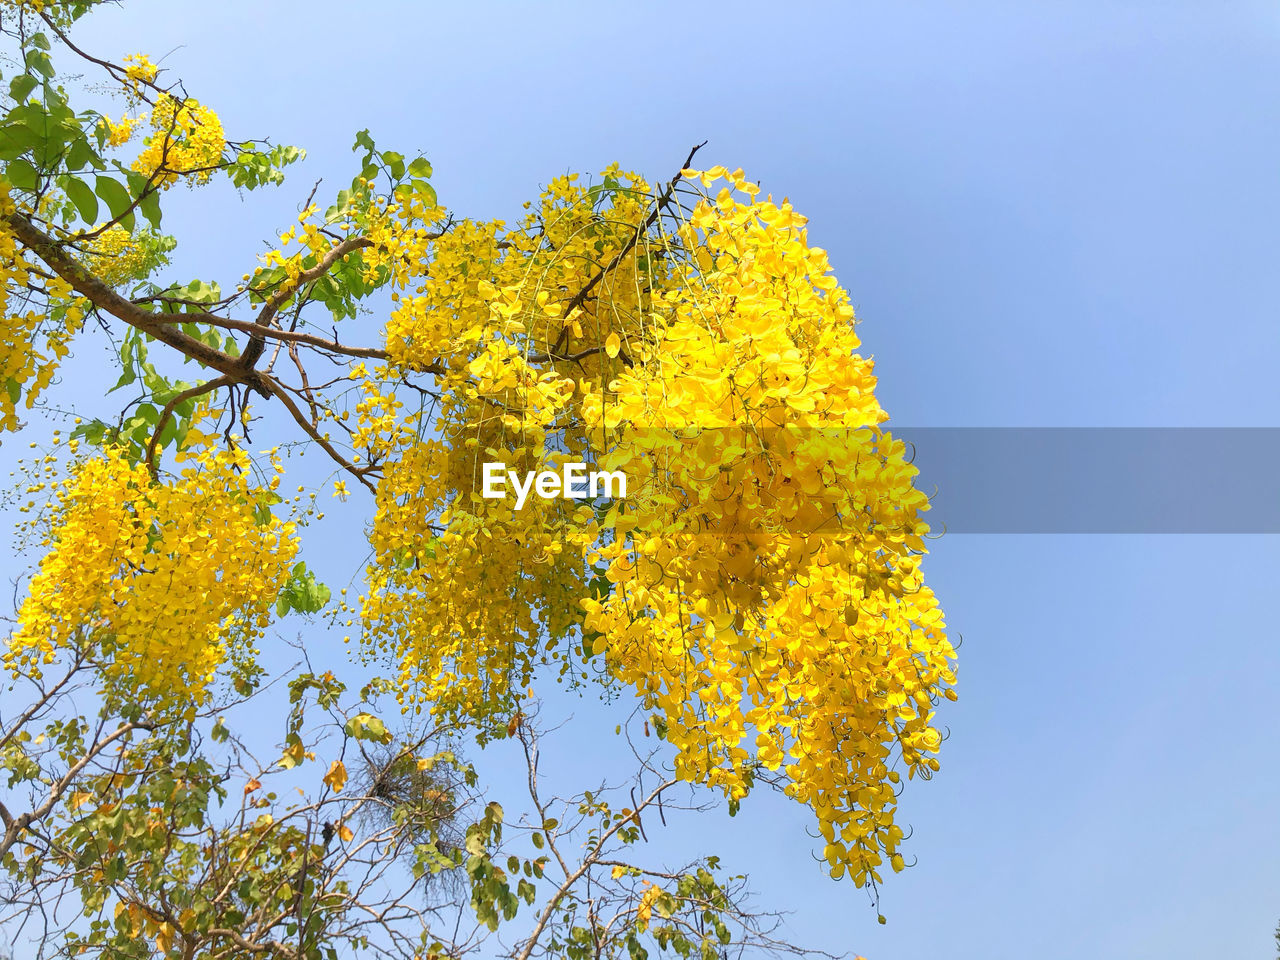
(1043, 480)
(1099, 480)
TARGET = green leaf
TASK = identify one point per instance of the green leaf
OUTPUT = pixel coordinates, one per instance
(365, 726)
(40, 62)
(16, 138)
(339, 208)
(419, 168)
(20, 87)
(78, 192)
(170, 433)
(302, 592)
(80, 155)
(395, 163)
(426, 191)
(92, 431)
(127, 376)
(114, 195)
(150, 207)
(21, 174)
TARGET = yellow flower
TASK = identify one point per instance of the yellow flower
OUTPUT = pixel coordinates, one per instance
(139, 70)
(166, 581)
(762, 593)
(120, 132)
(187, 140)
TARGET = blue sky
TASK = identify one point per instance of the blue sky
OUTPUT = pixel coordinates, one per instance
(1051, 214)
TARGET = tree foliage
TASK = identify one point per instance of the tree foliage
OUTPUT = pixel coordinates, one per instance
(758, 592)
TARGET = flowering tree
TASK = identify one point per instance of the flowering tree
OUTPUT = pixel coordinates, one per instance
(757, 592)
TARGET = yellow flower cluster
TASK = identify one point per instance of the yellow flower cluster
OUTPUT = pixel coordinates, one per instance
(760, 589)
(164, 582)
(766, 598)
(187, 140)
(450, 588)
(119, 132)
(138, 70)
(26, 369)
(167, 119)
(117, 257)
(486, 279)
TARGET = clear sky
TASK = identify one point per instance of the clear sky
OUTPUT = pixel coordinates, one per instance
(1047, 214)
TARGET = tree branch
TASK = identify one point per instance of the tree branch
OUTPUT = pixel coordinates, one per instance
(105, 298)
(273, 303)
(167, 412)
(17, 824)
(274, 389)
(291, 336)
(581, 296)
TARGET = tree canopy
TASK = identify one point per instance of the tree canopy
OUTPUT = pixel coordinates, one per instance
(757, 593)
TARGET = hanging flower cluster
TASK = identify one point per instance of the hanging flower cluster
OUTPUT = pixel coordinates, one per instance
(760, 588)
(163, 581)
